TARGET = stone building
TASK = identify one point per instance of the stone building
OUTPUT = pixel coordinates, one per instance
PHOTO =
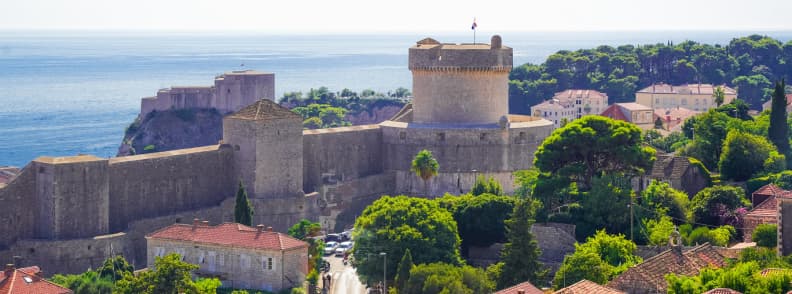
(680, 172)
(764, 203)
(570, 104)
(95, 207)
(231, 91)
(697, 97)
(674, 117)
(27, 280)
(635, 113)
(240, 256)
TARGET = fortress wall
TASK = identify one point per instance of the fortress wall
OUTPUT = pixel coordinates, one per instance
(18, 201)
(460, 96)
(407, 183)
(72, 196)
(346, 200)
(463, 150)
(68, 256)
(156, 184)
(178, 98)
(340, 154)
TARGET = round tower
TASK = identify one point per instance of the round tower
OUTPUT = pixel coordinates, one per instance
(460, 83)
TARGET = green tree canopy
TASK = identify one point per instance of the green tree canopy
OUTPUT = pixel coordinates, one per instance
(403, 274)
(712, 205)
(243, 210)
(520, 256)
(601, 258)
(169, 275)
(482, 186)
(779, 129)
(305, 228)
(605, 206)
(765, 235)
(425, 166)
(662, 199)
(436, 278)
(744, 155)
(480, 219)
(591, 146)
(395, 224)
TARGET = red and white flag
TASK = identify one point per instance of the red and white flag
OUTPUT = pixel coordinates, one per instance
(473, 27)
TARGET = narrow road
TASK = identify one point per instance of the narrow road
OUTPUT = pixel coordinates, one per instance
(345, 279)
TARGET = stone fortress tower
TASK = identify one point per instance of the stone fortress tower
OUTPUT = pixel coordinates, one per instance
(70, 213)
(460, 113)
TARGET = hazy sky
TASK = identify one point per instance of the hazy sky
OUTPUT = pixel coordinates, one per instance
(288, 16)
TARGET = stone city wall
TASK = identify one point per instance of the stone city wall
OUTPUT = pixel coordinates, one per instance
(178, 98)
(340, 154)
(18, 200)
(156, 184)
(68, 256)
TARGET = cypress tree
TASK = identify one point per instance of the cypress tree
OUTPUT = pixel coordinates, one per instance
(520, 256)
(779, 129)
(243, 210)
(403, 272)
(480, 186)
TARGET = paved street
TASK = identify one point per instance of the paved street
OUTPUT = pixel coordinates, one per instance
(345, 279)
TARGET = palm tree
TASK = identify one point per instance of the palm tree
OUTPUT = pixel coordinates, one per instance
(719, 95)
(425, 166)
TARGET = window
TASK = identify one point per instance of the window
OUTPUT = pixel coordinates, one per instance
(269, 263)
(657, 100)
(244, 261)
(159, 251)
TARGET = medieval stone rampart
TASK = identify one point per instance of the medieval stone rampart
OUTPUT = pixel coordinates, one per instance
(156, 184)
(340, 154)
(231, 91)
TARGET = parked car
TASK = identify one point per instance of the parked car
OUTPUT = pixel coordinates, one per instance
(333, 237)
(330, 247)
(342, 248)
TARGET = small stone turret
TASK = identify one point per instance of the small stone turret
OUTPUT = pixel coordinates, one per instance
(460, 83)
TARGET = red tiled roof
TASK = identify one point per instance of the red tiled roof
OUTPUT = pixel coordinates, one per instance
(769, 271)
(722, 291)
(613, 111)
(527, 287)
(649, 276)
(698, 89)
(231, 234)
(26, 281)
(587, 287)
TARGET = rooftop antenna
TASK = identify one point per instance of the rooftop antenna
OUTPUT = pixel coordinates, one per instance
(473, 27)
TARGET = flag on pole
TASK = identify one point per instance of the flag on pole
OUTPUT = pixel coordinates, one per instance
(473, 27)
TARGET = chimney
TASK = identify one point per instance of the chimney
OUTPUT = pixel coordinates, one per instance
(9, 269)
(195, 223)
(260, 227)
(269, 229)
(205, 223)
(521, 291)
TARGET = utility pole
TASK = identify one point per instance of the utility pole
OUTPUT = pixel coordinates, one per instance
(384, 271)
(631, 219)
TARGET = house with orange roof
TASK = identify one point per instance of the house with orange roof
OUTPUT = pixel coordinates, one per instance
(521, 288)
(765, 208)
(697, 97)
(640, 115)
(570, 104)
(674, 117)
(240, 256)
(27, 280)
(587, 287)
(649, 276)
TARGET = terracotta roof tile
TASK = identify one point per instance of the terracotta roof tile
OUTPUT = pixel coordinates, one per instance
(265, 109)
(27, 281)
(722, 291)
(771, 271)
(230, 234)
(649, 276)
(587, 287)
(527, 287)
(613, 111)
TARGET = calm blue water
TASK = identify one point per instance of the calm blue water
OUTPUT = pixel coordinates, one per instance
(75, 92)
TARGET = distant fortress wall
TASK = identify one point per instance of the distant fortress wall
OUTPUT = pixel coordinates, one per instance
(231, 92)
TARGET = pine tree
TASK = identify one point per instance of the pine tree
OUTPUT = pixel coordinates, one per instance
(403, 272)
(520, 256)
(243, 210)
(779, 129)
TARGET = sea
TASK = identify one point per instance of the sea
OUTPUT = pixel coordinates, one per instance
(65, 93)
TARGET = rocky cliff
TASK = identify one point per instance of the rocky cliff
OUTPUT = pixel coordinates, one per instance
(173, 129)
(187, 128)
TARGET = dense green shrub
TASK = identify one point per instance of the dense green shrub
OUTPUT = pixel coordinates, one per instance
(765, 235)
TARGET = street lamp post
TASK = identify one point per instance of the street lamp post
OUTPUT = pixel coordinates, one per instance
(384, 271)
